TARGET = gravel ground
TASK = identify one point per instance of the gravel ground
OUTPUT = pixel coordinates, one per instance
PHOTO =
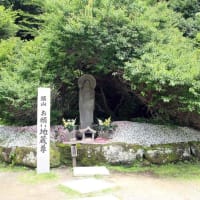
(14, 136)
(128, 132)
(21, 136)
(147, 134)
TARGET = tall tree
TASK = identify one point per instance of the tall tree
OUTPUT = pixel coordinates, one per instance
(28, 16)
(131, 47)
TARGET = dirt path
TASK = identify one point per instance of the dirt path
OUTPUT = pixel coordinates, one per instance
(129, 187)
(136, 187)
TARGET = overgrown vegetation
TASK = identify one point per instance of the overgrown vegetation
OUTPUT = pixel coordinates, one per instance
(143, 54)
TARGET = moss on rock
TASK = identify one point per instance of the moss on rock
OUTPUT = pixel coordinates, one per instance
(167, 153)
(65, 153)
(195, 149)
(1, 156)
(87, 154)
(121, 153)
(25, 156)
(90, 155)
(6, 154)
(97, 154)
(55, 156)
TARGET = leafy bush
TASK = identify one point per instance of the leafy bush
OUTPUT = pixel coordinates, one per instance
(166, 75)
(7, 25)
(130, 43)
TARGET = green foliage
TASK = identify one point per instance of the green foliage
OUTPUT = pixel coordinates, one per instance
(20, 75)
(4, 167)
(84, 38)
(96, 42)
(28, 16)
(34, 178)
(189, 24)
(137, 43)
(12, 158)
(166, 75)
(7, 25)
(188, 8)
(68, 191)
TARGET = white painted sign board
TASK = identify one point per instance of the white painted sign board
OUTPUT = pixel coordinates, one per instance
(43, 130)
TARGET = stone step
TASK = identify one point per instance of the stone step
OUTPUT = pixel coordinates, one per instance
(90, 171)
(88, 185)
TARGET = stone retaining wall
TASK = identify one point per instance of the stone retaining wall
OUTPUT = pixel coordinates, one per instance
(112, 153)
(26, 156)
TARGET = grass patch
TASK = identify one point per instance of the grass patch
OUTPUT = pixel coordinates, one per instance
(75, 194)
(188, 171)
(129, 169)
(71, 193)
(29, 175)
(32, 177)
(2, 122)
(10, 168)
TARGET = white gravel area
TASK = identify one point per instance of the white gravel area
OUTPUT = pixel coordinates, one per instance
(20, 136)
(9, 138)
(128, 132)
(147, 134)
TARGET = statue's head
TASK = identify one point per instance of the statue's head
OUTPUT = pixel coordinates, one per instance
(87, 81)
(86, 84)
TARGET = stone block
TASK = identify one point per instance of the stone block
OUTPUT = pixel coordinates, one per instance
(195, 149)
(122, 153)
(88, 185)
(167, 153)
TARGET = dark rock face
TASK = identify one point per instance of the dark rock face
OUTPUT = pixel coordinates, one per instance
(191, 119)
